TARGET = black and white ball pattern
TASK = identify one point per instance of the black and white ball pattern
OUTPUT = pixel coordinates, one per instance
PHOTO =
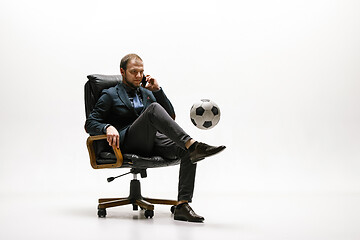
(205, 114)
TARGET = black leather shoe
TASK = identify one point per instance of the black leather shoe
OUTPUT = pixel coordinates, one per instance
(201, 150)
(184, 212)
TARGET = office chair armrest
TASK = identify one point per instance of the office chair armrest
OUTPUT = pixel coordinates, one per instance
(90, 146)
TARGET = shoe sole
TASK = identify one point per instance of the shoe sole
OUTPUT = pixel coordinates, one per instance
(193, 161)
(186, 220)
(197, 160)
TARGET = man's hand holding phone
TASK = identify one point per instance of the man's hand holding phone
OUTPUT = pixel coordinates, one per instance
(150, 83)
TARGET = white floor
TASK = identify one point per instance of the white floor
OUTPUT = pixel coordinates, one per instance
(252, 216)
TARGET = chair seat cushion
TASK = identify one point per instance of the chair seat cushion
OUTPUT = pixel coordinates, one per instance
(136, 161)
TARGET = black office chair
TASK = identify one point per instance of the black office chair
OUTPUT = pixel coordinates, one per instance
(103, 156)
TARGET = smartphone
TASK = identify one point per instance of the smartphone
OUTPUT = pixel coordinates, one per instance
(143, 81)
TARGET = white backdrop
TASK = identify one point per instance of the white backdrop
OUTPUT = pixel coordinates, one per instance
(285, 74)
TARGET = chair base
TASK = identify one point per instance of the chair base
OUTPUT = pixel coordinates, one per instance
(135, 198)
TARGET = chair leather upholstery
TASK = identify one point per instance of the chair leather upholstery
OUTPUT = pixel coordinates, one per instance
(136, 161)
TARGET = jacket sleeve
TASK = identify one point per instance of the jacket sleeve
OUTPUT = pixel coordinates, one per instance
(162, 99)
(95, 123)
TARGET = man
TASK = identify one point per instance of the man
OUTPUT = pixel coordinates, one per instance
(140, 119)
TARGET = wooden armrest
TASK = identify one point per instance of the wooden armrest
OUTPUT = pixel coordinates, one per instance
(90, 147)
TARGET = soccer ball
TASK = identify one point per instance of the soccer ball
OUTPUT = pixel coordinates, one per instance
(205, 114)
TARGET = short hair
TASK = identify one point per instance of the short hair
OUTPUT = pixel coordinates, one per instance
(125, 60)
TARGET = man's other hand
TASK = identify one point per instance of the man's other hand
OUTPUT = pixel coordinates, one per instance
(152, 85)
(112, 136)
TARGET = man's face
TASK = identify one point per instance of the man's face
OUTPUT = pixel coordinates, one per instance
(133, 74)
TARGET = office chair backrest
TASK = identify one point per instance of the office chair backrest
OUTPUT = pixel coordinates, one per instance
(94, 87)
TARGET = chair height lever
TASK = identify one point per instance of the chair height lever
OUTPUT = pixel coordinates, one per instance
(110, 179)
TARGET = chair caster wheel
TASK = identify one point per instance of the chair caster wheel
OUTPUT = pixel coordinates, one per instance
(102, 212)
(172, 209)
(149, 213)
(135, 207)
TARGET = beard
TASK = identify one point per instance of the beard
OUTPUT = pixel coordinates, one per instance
(130, 84)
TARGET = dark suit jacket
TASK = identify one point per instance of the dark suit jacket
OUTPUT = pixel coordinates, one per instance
(114, 108)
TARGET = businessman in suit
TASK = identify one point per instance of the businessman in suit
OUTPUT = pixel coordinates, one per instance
(141, 119)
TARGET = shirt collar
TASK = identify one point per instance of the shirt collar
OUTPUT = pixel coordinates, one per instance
(131, 91)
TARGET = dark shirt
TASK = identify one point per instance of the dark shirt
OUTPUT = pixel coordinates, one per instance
(131, 93)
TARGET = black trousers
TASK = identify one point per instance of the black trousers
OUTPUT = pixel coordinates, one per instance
(154, 132)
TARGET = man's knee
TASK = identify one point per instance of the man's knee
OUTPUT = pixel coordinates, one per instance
(151, 110)
(155, 113)
(154, 107)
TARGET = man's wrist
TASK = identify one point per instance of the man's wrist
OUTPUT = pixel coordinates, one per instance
(106, 126)
(157, 90)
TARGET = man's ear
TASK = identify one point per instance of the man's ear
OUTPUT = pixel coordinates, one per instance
(122, 71)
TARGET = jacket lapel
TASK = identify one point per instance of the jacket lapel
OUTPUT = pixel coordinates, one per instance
(123, 96)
